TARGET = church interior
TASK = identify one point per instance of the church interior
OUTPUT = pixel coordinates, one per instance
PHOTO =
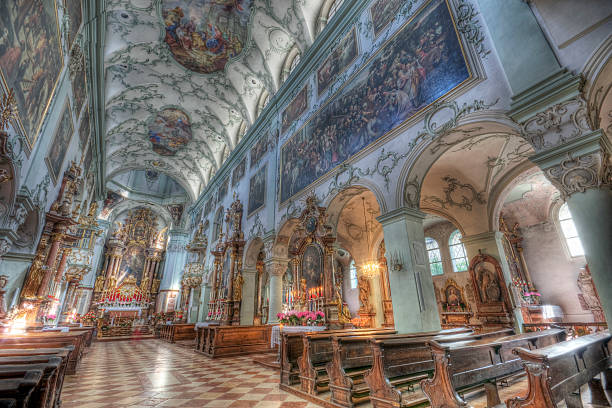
(299, 204)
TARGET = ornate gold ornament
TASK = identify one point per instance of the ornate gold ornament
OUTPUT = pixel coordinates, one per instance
(8, 109)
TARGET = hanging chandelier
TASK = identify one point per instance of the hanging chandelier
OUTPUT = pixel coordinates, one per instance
(370, 268)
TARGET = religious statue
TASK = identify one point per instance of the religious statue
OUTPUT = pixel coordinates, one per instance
(303, 291)
(34, 278)
(120, 232)
(99, 285)
(155, 286)
(93, 209)
(144, 284)
(364, 293)
(112, 282)
(344, 315)
(3, 282)
(238, 281)
(488, 285)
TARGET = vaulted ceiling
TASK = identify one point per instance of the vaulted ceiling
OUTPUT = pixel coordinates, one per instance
(184, 78)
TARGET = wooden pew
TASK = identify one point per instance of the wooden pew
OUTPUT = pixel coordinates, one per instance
(400, 363)
(352, 358)
(465, 366)
(291, 348)
(63, 353)
(176, 332)
(203, 340)
(317, 353)
(48, 340)
(43, 395)
(237, 340)
(19, 388)
(555, 372)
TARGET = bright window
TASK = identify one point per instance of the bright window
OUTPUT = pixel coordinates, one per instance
(457, 252)
(569, 232)
(435, 259)
(353, 275)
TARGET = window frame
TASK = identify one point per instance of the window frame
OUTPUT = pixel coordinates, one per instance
(563, 238)
(458, 244)
(353, 276)
(439, 261)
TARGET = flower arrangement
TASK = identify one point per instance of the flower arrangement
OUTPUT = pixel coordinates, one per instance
(295, 318)
(526, 294)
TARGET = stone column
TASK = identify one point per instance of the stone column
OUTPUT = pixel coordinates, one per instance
(60, 270)
(412, 290)
(247, 307)
(276, 267)
(56, 242)
(582, 171)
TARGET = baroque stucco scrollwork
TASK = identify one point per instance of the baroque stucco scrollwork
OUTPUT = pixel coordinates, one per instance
(579, 173)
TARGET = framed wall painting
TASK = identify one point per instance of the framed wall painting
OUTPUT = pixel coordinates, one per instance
(238, 172)
(31, 59)
(79, 89)
(382, 12)
(60, 142)
(223, 189)
(257, 190)
(295, 109)
(75, 14)
(259, 149)
(427, 59)
(84, 128)
(341, 57)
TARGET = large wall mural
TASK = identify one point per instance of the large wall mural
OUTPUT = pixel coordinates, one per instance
(169, 131)
(257, 190)
(204, 34)
(420, 64)
(30, 58)
(295, 109)
(61, 141)
(223, 189)
(382, 12)
(342, 56)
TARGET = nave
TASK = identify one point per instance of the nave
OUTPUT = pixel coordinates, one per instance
(152, 373)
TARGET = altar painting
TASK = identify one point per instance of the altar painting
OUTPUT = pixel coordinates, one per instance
(60, 142)
(259, 149)
(420, 64)
(342, 56)
(73, 10)
(203, 35)
(489, 289)
(169, 131)
(312, 266)
(225, 279)
(295, 109)
(30, 58)
(382, 12)
(132, 263)
(84, 128)
(238, 172)
(257, 190)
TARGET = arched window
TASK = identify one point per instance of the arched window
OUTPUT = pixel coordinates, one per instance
(353, 275)
(291, 61)
(570, 234)
(457, 252)
(435, 258)
(294, 63)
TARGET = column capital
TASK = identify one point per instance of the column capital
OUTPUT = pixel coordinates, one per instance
(399, 214)
(276, 266)
(577, 166)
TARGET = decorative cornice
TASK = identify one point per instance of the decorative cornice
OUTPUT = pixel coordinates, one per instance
(400, 214)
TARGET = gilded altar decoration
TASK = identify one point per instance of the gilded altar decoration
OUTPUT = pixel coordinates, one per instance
(455, 308)
(127, 296)
(204, 34)
(226, 296)
(492, 298)
(8, 109)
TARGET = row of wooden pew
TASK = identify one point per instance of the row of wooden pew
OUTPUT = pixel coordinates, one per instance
(214, 340)
(33, 365)
(176, 332)
(436, 368)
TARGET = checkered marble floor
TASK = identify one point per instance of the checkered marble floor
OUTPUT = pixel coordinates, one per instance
(152, 373)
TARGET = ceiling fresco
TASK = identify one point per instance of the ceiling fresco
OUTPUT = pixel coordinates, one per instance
(169, 131)
(204, 34)
(225, 54)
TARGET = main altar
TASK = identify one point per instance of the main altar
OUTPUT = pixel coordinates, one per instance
(126, 288)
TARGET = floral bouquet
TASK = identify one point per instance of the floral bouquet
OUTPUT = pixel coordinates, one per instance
(295, 318)
(526, 294)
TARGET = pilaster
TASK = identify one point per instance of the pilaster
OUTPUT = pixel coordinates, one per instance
(276, 267)
(412, 289)
(247, 308)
